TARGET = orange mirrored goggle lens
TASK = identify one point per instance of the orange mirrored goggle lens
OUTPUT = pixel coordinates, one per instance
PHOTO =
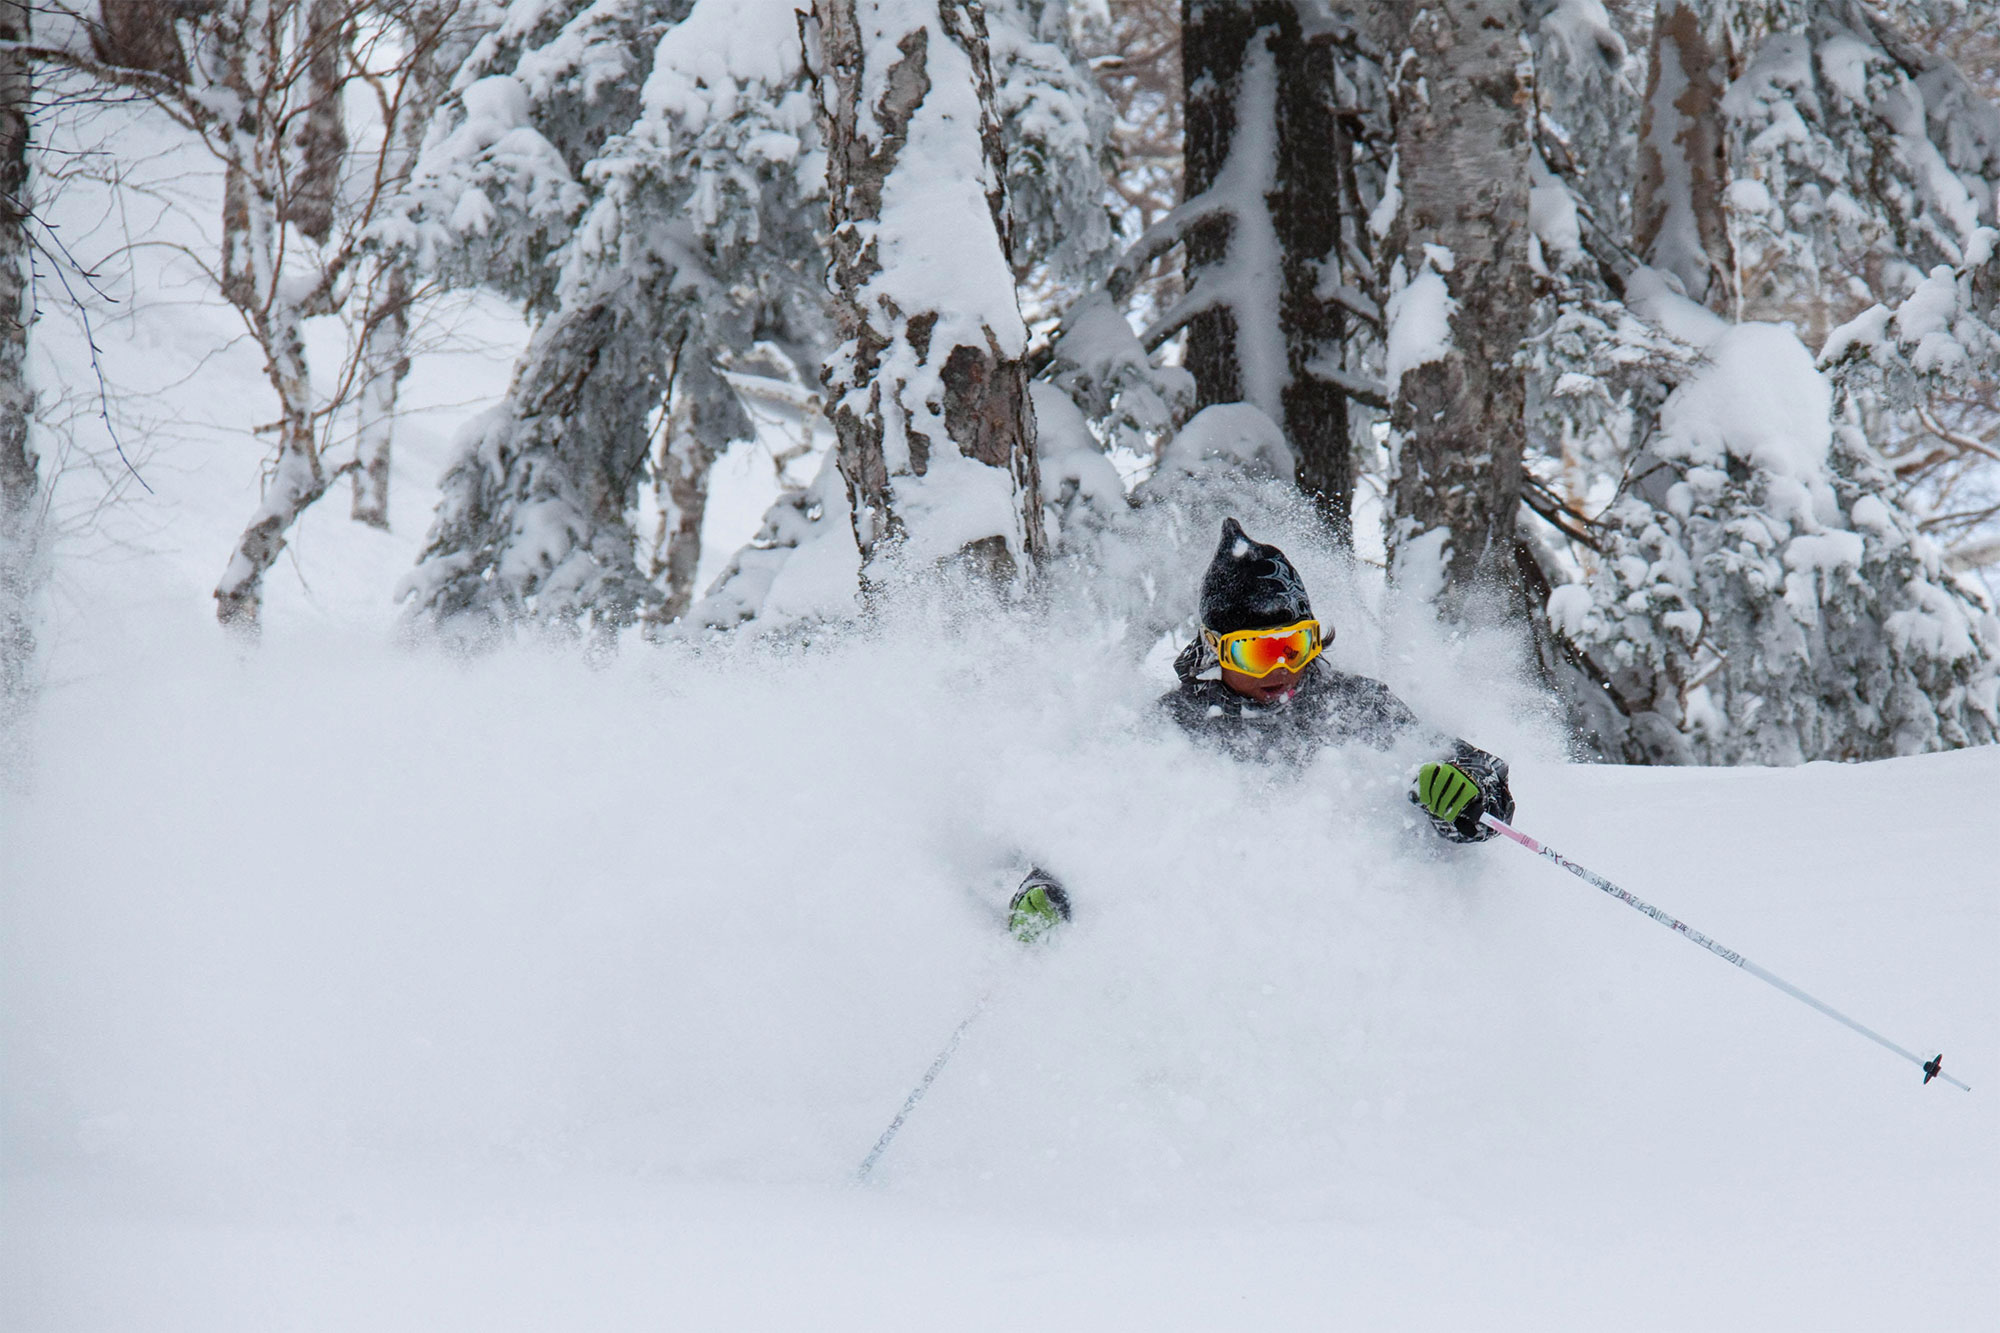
(1261, 654)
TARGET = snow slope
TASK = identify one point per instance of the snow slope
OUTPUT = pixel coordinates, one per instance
(343, 988)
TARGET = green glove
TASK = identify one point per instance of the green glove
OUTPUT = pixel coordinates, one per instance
(1038, 908)
(1445, 791)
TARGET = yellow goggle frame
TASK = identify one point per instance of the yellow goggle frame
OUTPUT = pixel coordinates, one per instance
(1251, 651)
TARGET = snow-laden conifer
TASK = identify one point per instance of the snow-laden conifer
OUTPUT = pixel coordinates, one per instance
(686, 237)
(1750, 588)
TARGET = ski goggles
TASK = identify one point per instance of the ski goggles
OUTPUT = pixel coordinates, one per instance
(1259, 652)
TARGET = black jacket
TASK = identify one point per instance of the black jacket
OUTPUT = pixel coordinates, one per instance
(1329, 708)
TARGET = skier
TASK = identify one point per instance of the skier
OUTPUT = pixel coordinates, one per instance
(1252, 683)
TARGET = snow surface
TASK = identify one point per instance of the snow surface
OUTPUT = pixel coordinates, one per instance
(347, 988)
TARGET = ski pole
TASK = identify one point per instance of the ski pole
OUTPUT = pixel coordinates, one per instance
(923, 1086)
(1933, 1067)
(1039, 907)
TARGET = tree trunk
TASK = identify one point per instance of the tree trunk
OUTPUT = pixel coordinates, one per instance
(253, 251)
(139, 34)
(321, 140)
(1215, 43)
(681, 468)
(1275, 310)
(20, 489)
(439, 41)
(930, 389)
(385, 360)
(1677, 218)
(1461, 306)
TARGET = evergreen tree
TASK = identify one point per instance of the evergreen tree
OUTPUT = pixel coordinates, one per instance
(656, 210)
(1752, 589)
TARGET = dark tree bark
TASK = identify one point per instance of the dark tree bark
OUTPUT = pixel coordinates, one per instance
(1215, 40)
(139, 34)
(20, 488)
(1457, 425)
(1677, 219)
(1220, 40)
(321, 141)
(886, 423)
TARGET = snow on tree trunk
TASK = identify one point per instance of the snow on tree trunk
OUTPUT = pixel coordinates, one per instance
(385, 360)
(440, 34)
(1262, 134)
(1461, 293)
(20, 489)
(254, 281)
(1678, 221)
(929, 389)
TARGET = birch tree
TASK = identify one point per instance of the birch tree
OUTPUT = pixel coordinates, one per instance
(20, 488)
(439, 35)
(929, 389)
(260, 84)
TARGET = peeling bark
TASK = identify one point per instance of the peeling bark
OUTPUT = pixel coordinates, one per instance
(321, 142)
(1462, 109)
(385, 361)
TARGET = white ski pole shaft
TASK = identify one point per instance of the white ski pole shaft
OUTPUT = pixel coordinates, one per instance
(1933, 1068)
(923, 1086)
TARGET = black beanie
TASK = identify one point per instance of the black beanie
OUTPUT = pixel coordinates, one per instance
(1250, 586)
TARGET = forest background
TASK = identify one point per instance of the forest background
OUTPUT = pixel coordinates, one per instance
(1658, 332)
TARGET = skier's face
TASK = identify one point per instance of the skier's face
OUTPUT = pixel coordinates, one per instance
(1262, 689)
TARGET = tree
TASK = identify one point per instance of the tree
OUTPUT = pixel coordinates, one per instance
(1751, 587)
(1679, 225)
(1265, 313)
(20, 486)
(929, 390)
(260, 84)
(1460, 295)
(439, 34)
(660, 240)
